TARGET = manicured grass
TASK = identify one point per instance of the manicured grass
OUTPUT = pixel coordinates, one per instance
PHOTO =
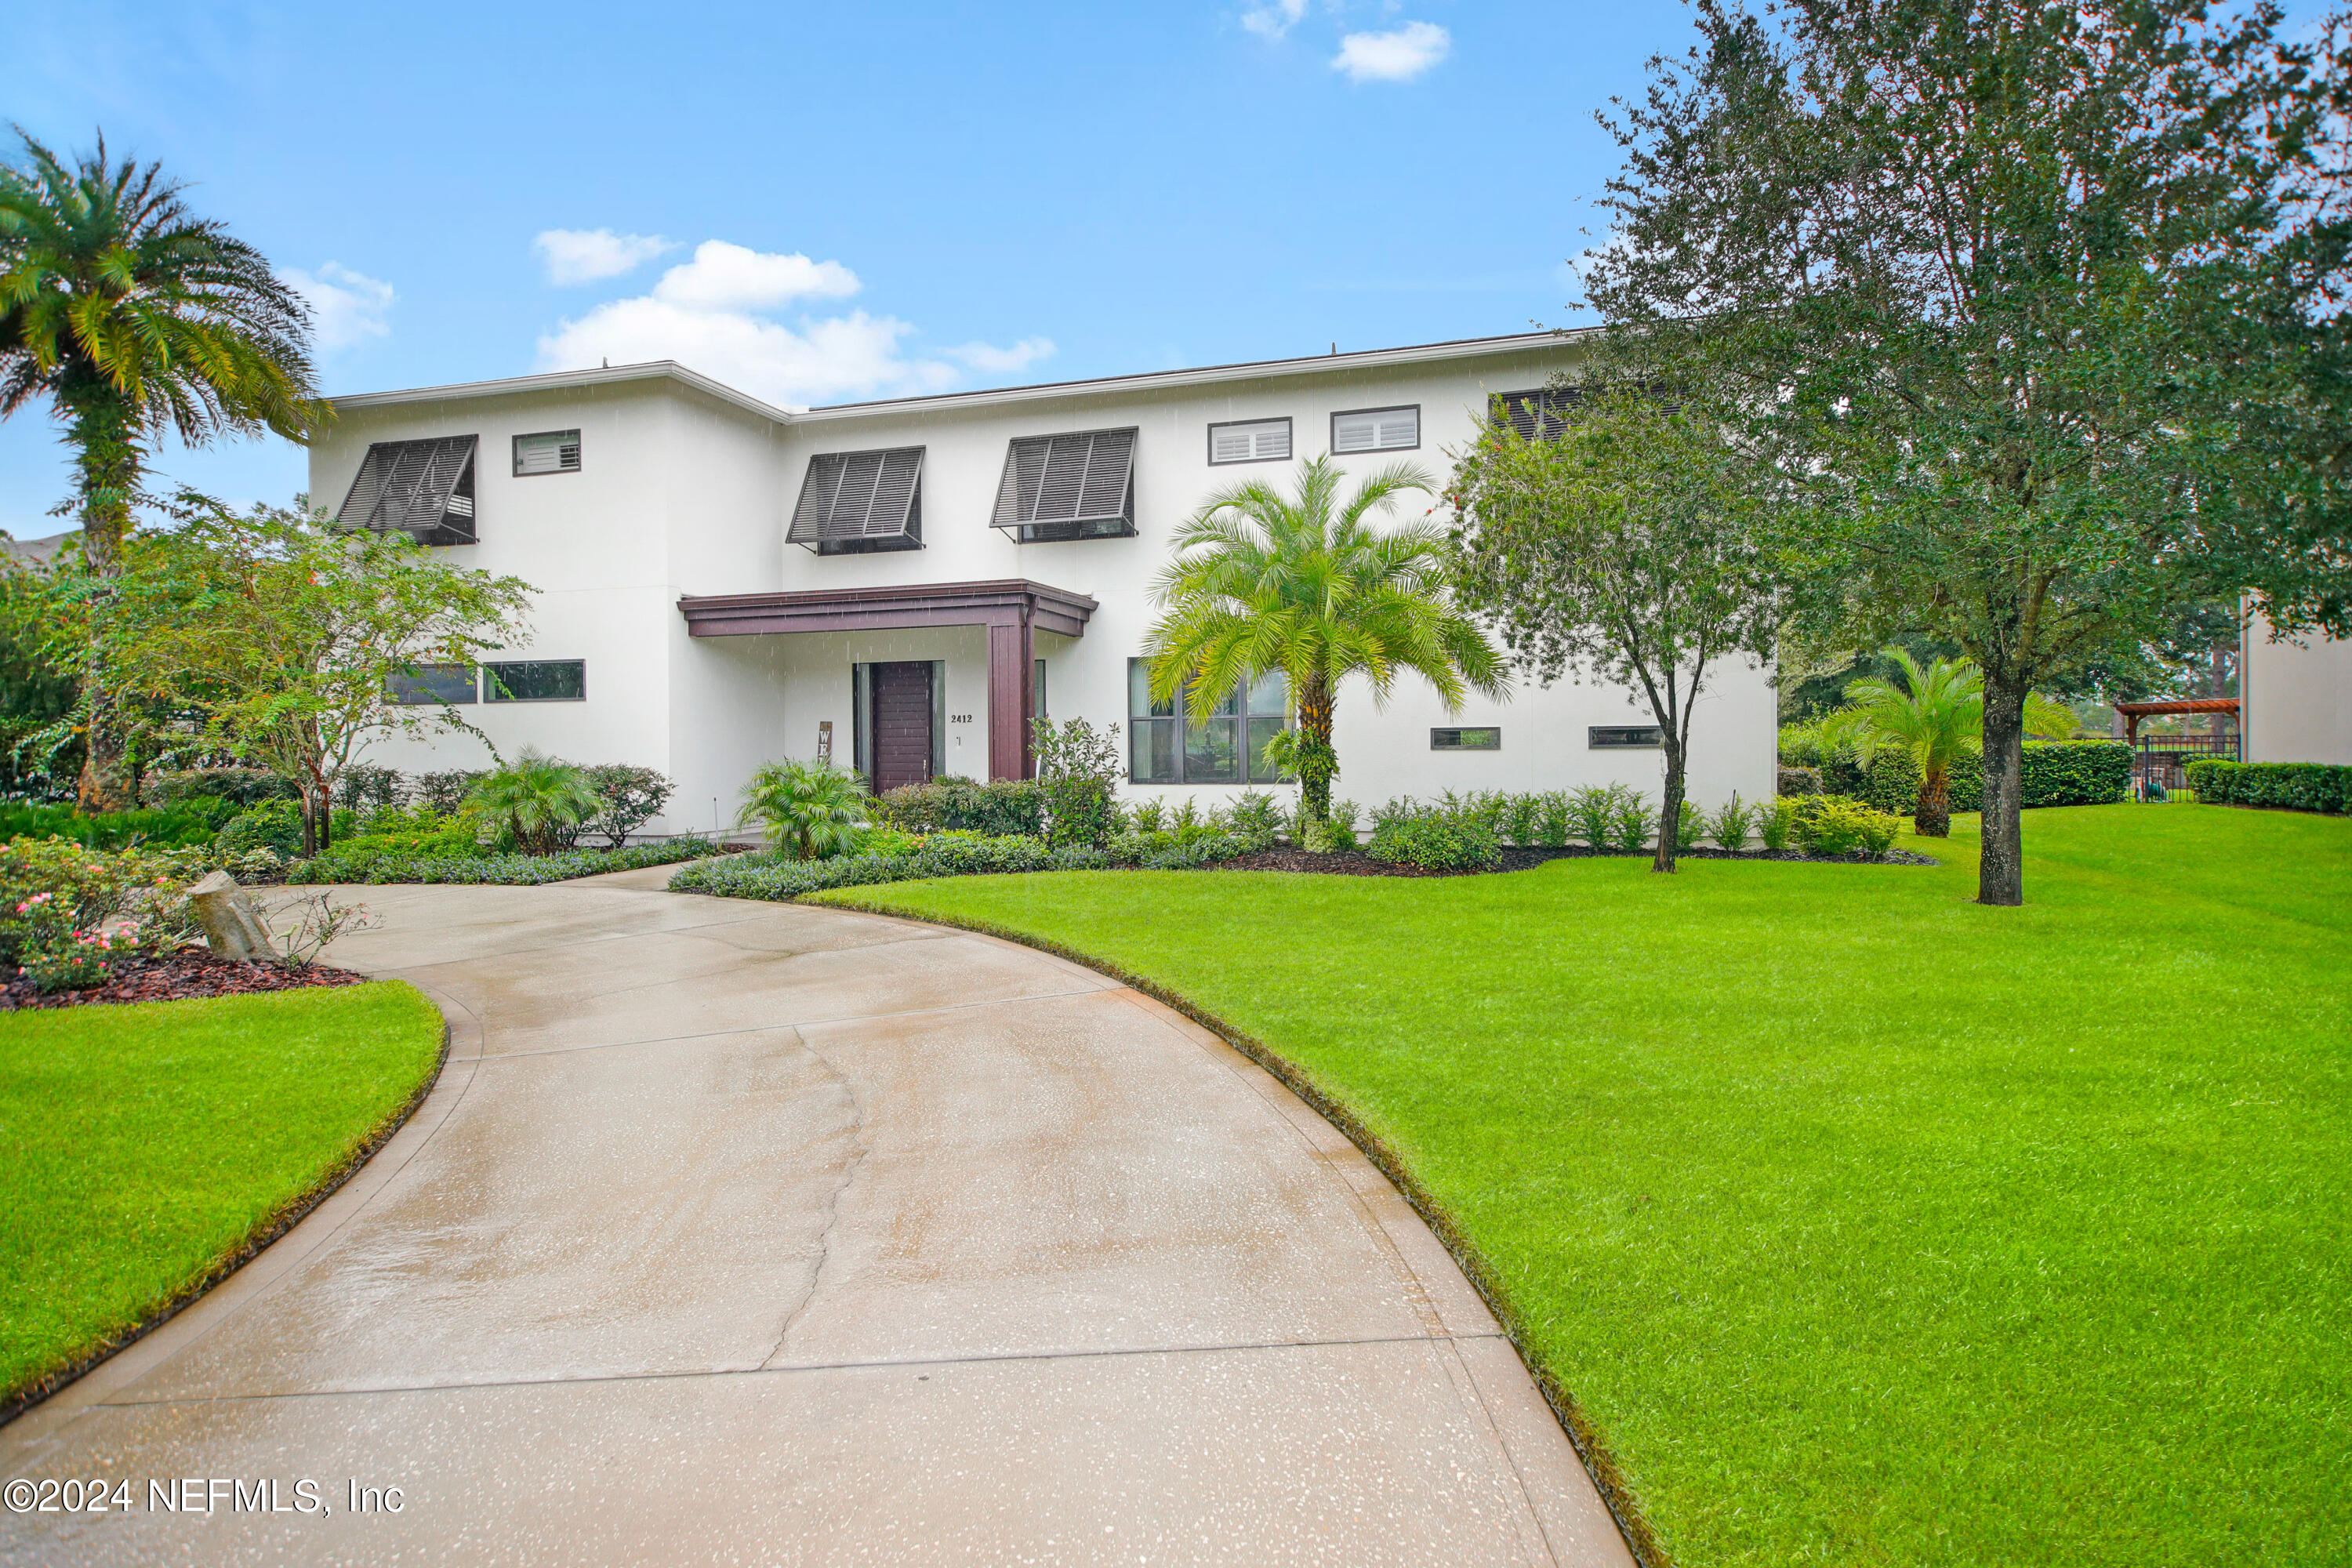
(142, 1147)
(1866, 1225)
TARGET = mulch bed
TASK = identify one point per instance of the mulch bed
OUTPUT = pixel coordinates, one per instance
(1356, 863)
(177, 977)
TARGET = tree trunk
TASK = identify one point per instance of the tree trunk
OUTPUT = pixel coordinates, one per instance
(1670, 814)
(106, 471)
(2000, 868)
(1318, 762)
(1931, 815)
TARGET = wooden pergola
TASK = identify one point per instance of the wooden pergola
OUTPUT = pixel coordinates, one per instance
(2134, 712)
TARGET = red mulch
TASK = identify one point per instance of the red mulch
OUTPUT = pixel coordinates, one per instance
(177, 977)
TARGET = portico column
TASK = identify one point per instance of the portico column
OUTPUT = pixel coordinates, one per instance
(1010, 648)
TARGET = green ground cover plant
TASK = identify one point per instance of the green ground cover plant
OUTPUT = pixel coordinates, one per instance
(505, 870)
(1867, 1224)
(146, 1146)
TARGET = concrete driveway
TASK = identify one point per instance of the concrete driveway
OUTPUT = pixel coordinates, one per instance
(750, 1233)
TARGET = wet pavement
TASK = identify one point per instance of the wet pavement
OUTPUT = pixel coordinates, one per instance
(753, 1233)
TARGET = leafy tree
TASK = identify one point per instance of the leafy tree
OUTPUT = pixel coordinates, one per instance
(2036, 302)
(816, 808)
(283, 638)
(131, 317)
(536, 798)
(1935, 716)
(39, 687)
(1623, 547)
(1262, 582)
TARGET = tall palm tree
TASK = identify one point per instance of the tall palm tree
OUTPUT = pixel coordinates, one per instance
(133, 318)
(1935, 716)
(1262, 582)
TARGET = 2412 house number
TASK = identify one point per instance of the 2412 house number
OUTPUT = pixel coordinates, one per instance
(959, 718)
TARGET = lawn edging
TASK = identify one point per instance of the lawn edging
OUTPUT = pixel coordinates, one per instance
(1617, 1494)
(272, 1226)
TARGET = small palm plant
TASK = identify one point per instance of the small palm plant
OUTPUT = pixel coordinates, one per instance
(1935, 716)
(815, 807)
(538, 798)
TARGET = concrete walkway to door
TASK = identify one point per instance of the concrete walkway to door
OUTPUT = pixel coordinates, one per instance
(751, 1233)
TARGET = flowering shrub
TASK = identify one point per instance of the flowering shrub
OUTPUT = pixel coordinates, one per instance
(51, 888)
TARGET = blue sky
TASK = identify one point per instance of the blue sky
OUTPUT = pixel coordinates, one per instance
(976, 196)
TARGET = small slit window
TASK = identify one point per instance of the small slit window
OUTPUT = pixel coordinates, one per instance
(431, 683)
(1537, 414)
(857, 503)
(536, 680)
(422, 489)
(1624, 737)
(1076, 486)
(1250, 441)
(548, 452)
(1377, 429)
(1487, 739)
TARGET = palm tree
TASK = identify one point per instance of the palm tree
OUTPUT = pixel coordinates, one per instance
(1262, 582)
(815, 807)
(131, 318)
(1935, 716)
(538, 798)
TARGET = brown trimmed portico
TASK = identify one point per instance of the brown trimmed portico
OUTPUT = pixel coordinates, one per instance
(1013, 610)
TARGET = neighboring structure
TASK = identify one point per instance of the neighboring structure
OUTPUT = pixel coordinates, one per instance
(903, 584)
(2296, 697)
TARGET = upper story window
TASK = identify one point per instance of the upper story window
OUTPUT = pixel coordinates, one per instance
(548, 452)
(1250, 441)
(1377, 429)
(1177, 743)
(1076, 486)
(852, 503)
(1537, 414)
(422, 489)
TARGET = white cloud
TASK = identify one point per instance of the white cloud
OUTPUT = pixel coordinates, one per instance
(1273, 20)
(1398, 55)
(346, 306)
(732, 276)
(992, 361)
(584, 255)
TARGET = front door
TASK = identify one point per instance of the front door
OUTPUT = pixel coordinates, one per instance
(902, 724)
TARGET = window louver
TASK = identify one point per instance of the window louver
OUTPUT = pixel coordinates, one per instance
(1538, 415)
(1251, 441)
(1376, 429)
(551, 452)
(855, 502)
(422, 489)
(1075, 486)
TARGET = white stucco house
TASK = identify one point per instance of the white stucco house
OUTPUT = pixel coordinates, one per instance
(2295, 696)
(903, 584)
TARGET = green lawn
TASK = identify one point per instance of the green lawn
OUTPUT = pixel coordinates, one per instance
(142, 1147)
(1866, 1225)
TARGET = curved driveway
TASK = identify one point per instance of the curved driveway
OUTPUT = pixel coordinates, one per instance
(752, 1233)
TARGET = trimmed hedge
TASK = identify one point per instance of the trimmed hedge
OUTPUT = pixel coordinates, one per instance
(2056, 773)
(764, 876)
(507, 870)
(1437, 841)
(998, 808)
(2290, 787)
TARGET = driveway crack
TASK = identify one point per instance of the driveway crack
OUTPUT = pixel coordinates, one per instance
(859, 1148)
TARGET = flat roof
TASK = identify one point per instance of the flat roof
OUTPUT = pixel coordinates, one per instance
(1199, 375)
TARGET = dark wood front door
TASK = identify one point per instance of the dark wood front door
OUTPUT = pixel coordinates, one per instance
(902, 724)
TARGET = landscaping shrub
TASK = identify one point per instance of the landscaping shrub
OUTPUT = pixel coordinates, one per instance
(239, 787)
(1635, 820)
(1078, 770)
(1437, 838)
(55, 892)
(1335, 833)
(956, 854)
(811, 810)
(509, 870)
(2053, 772)
(187, 824)
(1777, 826)
(536, 800)
(996, 808)
(445, 792)
(2291, 787)
(1835, 825)
(395, 834)
(275, 825)
(1730, 824)
(364, 788)
(1593, 810)
(1690, 829)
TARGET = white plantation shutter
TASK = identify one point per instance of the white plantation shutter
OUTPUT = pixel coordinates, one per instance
(548, 452)
(1376, 429)
(1251, 441)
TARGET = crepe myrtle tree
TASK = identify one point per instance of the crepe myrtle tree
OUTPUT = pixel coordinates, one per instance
(1620, 543)
(2038, 305)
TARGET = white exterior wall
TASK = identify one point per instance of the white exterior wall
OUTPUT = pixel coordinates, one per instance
(2296, 698)
(679, 492)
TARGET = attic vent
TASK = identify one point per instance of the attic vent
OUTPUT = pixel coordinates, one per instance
(1075, 486)
(549, 452)
(1538, 415)
(1376, 429)
(852, 503)
(1253, 441)
(422, 489)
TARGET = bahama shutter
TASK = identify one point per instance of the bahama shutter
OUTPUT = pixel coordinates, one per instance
(854, 501)
(422, 489)
(1538, 414)
(1079, 485)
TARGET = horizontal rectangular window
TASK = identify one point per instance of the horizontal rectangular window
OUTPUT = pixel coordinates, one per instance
(1212, 743)
(450, 683)
(1250, 441)
(1377, 429)
(1481, 739)
(536, 680)
(1624, 737)
(422, 489)
(548, 452)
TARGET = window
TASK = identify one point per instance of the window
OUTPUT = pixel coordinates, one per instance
(548, 452)
(1171, 745)
(855, 503)
(434, 683)
(1483, 740)
(1037, 690)
(536, 680)
(1624, 737)
(422, 489)
(1078, 485)
(1377, 430)
(1251, 441)
(1537, 414)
